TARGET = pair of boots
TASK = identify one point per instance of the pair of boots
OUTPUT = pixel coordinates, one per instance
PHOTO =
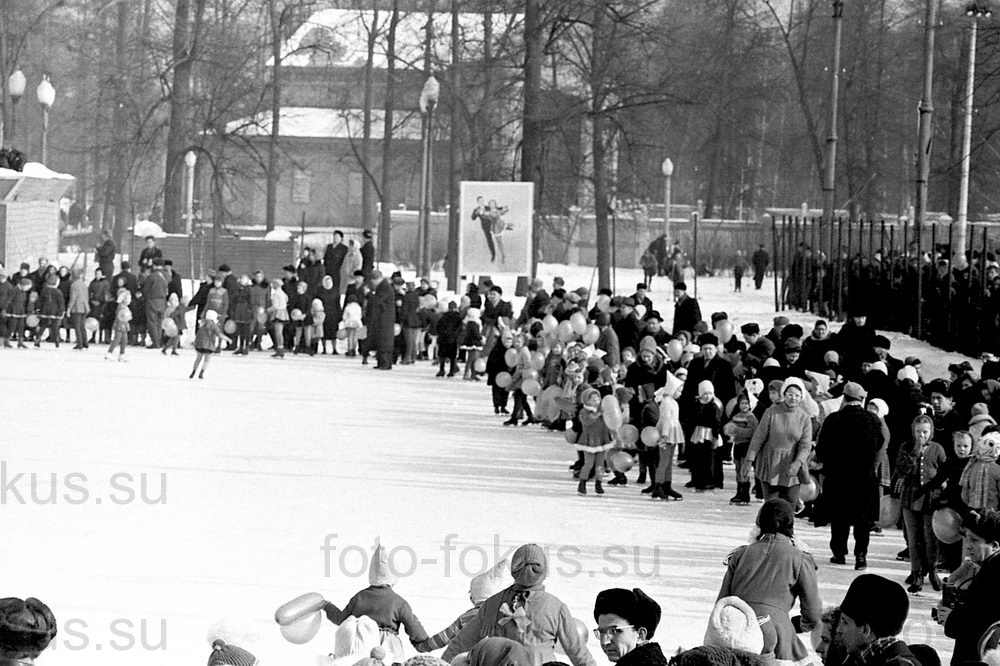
(582, 487)
(742, 495)
(662, 491)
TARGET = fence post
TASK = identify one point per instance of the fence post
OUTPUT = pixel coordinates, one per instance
(774, 251)
(951, 236)
(920, 278)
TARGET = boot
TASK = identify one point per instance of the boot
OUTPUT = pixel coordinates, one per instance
(917, 585)
(619, 480)
(581, 488)
(642, 473)
(935, 581)
(658, 492)
(648, 489)
(671, 493)
(742, 495)
(597, 487)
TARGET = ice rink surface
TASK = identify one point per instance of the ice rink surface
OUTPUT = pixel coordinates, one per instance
(146, 508)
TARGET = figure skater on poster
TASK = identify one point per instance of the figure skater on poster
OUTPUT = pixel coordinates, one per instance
(490, 217)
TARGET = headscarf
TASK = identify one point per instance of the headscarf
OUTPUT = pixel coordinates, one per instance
(976, 475)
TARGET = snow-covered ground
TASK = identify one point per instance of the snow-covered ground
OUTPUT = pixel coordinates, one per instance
(150, 507)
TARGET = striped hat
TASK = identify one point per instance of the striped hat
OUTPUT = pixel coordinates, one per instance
(229, 655)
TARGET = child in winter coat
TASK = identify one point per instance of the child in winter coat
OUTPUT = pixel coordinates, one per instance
(482, 587)
(521, 406)
(51, 308)
(389, 610)
(472, 342)
(206, 342)
(449, 330)
(495, 364)
(670, 434)
(594, 441)
(119, 330)
(706, 472)
(880, 408)
(980, 481)
(740, 429)
(242, 310)
(176, 313)
(916, 466)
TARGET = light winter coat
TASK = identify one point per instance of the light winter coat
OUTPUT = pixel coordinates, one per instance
(783, 435)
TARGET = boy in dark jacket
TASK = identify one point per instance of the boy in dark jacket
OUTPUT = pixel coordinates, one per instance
(449, 329)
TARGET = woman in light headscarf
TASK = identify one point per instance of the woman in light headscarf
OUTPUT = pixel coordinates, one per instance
(781, 444)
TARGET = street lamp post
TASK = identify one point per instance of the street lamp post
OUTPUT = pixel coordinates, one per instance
(46, 97)
(668, 173)
(16, 84)
(975, 11)
(428, 100)
(190, 160)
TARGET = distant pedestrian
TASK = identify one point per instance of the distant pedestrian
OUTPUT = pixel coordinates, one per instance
(739, 268)
(760, 261)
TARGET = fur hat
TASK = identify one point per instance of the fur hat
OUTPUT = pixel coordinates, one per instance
(708, 339)
(908, 372)
(488, 583)
(751, 328)
(633, 605)
(26, 627)
(780, 320)
(942, 386)
(230, 655)
(529, 566)
(379, 570)
(680, 286)
(880, 603)
(733, 624)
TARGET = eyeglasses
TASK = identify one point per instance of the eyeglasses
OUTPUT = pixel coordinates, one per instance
(606, 632)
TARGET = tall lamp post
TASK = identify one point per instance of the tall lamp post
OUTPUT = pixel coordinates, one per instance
(16, 84)
(975, 11)
(190, 160)
(46, 97)
(668, 173)
(428, 100)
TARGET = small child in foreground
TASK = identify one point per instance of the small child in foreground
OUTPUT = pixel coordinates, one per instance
(206, 342)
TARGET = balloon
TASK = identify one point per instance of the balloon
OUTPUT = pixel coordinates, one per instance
(537, 360)
(591, 334)
(582, 632)
(692, 348)
(578, 323)
(303, 630)
(261, 316)
(649, 436)
(342, 334)
(571, 435)
(724, 329)
(229, 327)
(889, 511)
(674, 350)
(947, 525)
(31, 321)
(510, 357)
(565, 331)
(549, 324)
(503, 380)
(352, 312)
(169, 327)
(301, 607)
(296, 315)
(362, 332)
(531, 374)
(550, 410)
(524, 356)
(629, 434)
(612, 413)
(604, 303)
(621, 461)
(396, 329)
(91, 324)
(479, 365)
(640, 311)
(808, 492)
(531, 387)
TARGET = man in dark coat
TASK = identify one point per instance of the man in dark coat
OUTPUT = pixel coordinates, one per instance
(849, 445)
(131, 283)
(105, 255)
(154, 293)
(149, 253)
(979, 609)
(449, 328)
(855, 342)
(873, 613)
(333, 258)
(382, 320)
(174, 283)
(687, 312)
(367, 253)
(760, 260)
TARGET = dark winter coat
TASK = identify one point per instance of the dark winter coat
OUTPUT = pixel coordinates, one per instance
(449, 328)
(848, 446)
(967, 622)
(51, 302)
(7, 291)
(240, 307)
(687, 314)
(175, 285)
(382, 604)
(105, 257)
(367, 258)
(648, 654)
(383, 317)
(718, 371)
(333, 260)
(411, 310)
(896, 653)
(331, 306)
(495, 364)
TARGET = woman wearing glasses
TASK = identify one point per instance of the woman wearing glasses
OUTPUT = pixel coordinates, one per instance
(626, 620)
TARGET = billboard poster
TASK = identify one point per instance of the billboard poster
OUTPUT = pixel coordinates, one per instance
(495, 229)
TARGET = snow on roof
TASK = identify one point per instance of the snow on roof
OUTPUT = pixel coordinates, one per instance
(319, 123)
(34, 170)
(339, 37)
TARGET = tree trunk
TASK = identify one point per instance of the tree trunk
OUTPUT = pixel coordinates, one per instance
(531, 136)
(118, 169)
(454, 151)
(272, 144)
(597, 90)
(367, 193)
(385, 219)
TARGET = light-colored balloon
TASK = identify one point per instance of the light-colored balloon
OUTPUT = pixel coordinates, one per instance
(724, 330)
(612, 413)
(549, 324)
(629, 434)
(675, 348)
(578, 322)
(591, 334)
(947, 525)
(649, 436)
(510, 357)
(303, 630)
(503, 379)
(565, 332)
(531, 387)
(621, 462)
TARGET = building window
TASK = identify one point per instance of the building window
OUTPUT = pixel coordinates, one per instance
(355, 183)
(301, 185)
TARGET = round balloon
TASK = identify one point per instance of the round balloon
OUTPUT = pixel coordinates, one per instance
(296, 315)
(531, 387)
(169, 327)
(675, 348)
(537, 360)
(591, 334)
(724, 330)
(91, 324)
(571, 436)
(31, 321)
(396, 329)
(549, 324)
(629, 434)
(581, 631)
(808, 492)
(342, 334)
(621, 461)
(947, 525)
(612, 413)
(503, 380)
(578, 323)
(565, 331)
(640, 311)
(650, 436)
(229, 327)
(261, 316)
(302, 630)
(362, 332)
(510, 357)
(479, 365)
(889, 511)
(604, 303)
(531, 374)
